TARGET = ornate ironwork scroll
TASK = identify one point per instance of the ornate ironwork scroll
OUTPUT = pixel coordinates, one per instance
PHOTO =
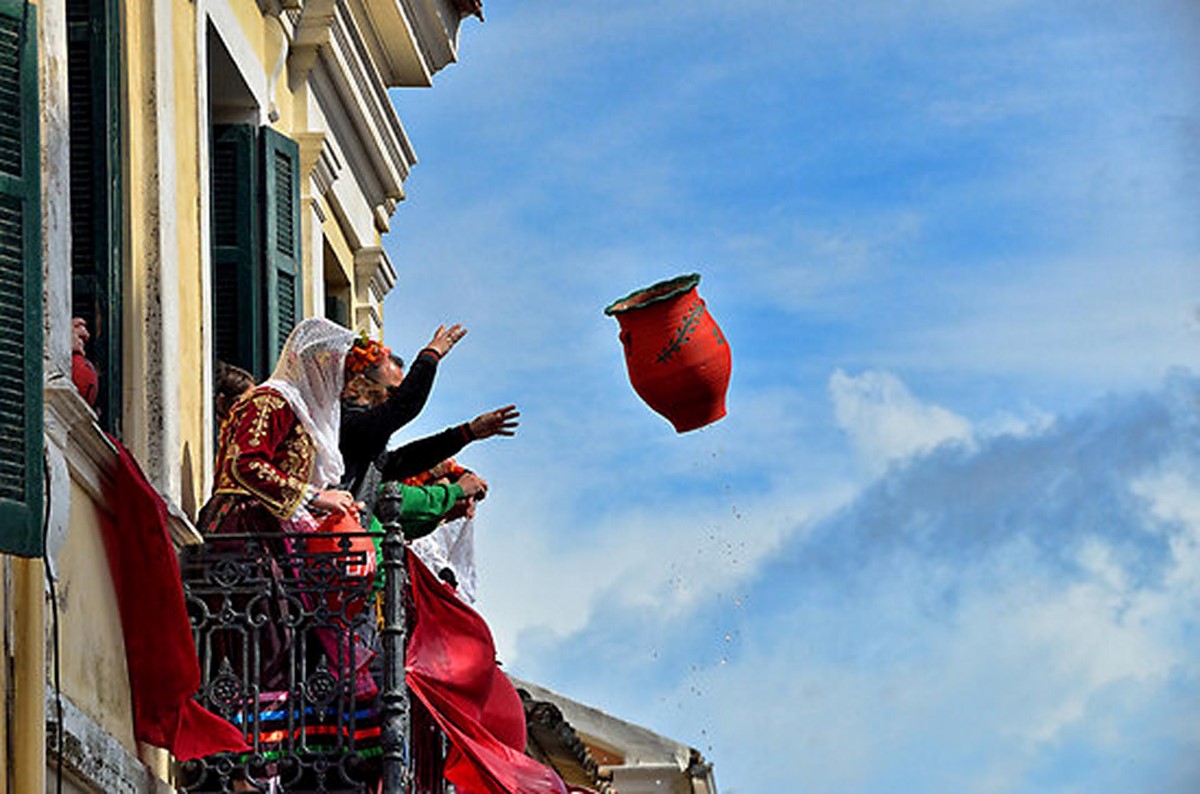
(291, 653)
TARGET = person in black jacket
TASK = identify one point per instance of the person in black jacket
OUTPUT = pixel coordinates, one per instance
(381, 397)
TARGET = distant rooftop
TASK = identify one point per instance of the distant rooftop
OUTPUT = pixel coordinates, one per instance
(591, 748)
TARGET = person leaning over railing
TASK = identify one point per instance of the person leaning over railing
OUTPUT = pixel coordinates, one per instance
(449, 551)
(379, 399)
(371, 412)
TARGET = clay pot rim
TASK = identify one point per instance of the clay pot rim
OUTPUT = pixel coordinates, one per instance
(655, 293)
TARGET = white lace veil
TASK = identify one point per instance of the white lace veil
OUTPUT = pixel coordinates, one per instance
(310, 376)
(452, 545)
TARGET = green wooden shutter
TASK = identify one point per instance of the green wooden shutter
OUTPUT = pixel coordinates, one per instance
(20, 285)
(281, 191)
(238, 320)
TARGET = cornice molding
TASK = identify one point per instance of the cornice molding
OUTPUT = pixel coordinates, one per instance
(72, 424)
(354, 100)
(94, 754)
(413, 39)
(436, 23)
(383, 215)
(392, 36)
(312, 26)
(318, 161)
(372, 267)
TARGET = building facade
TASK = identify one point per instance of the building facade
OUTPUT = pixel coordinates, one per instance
(190, 177)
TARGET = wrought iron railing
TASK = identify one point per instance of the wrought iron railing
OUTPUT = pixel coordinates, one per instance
(301, 646)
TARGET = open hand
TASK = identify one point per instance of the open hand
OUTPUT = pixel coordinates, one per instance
(474, 486)
(333, 501)
(445, 338)
(500, 422)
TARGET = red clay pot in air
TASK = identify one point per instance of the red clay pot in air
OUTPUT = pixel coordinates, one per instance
(677, 357)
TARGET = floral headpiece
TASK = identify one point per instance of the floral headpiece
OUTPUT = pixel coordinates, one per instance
(365, 355)
(447, 469)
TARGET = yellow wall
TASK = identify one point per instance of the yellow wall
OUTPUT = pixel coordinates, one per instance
(138, 155)
(28, 694)
(4, 684)
(338, 244)
(91, 644)
(250, 20)
(193, 322)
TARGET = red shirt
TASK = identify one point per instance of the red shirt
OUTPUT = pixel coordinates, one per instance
(85, 377)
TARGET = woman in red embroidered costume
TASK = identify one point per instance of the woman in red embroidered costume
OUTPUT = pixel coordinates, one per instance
(277, 465)
(278, 457)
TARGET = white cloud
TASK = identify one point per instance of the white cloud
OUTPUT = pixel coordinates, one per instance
(886, 422)
(875, 697)
(544, 577)
(1173, 495)
(1011, 616)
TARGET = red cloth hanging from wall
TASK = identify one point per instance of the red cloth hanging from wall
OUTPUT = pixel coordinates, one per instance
(451, 666)
(159, 651)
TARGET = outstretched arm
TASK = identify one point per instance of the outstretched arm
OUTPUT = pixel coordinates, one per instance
(500, 422)
(425, 453)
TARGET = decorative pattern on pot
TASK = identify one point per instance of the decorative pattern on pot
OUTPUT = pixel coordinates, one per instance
(677, 358)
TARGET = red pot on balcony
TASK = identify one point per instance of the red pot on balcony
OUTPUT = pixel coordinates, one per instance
(677, 358)
(341, 544)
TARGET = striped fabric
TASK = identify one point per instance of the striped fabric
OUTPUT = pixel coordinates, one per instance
(306, 730)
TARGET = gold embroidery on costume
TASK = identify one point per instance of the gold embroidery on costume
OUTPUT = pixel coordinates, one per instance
(265, 403)
(266, 453)
(299, 454)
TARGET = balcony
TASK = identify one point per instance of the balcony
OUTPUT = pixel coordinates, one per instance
(294, 652)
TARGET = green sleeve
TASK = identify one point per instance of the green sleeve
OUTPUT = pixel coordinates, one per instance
(422, 505)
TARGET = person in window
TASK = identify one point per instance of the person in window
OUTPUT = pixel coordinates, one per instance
(83, 371)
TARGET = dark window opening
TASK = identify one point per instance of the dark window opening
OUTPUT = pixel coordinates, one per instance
(93, 58)
(337, 289)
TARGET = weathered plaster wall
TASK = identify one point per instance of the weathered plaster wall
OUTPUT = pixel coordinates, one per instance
(142, 305)
(55, 176)
(91, 642)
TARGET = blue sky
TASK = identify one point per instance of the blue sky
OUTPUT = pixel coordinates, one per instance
(948, 537)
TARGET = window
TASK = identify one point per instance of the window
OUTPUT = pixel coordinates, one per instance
(92, 82)
(20, 285)
(337, 288)
(256, 244)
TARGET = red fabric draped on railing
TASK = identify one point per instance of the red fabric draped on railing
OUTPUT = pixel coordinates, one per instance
(161, 655)
(451, 666)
